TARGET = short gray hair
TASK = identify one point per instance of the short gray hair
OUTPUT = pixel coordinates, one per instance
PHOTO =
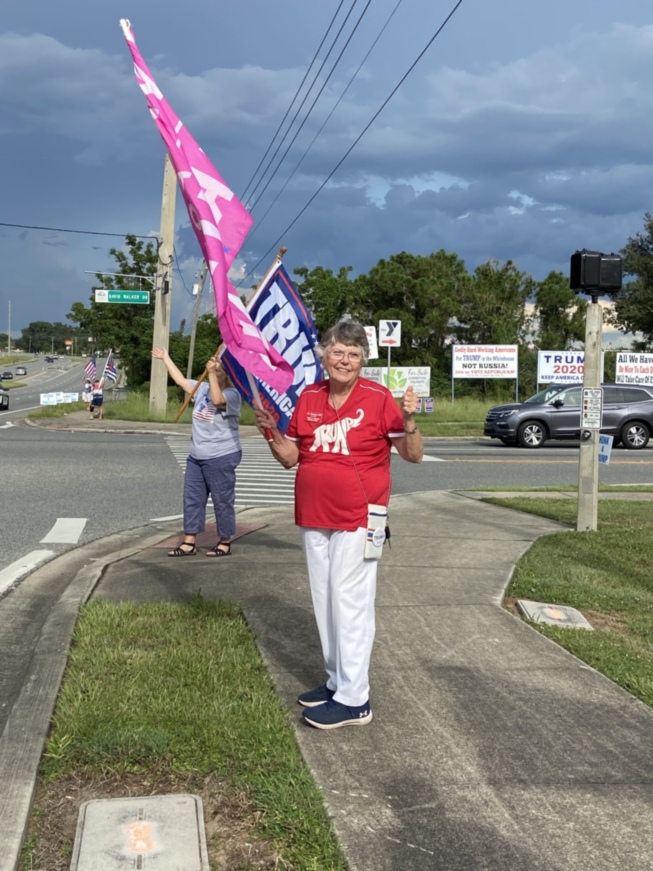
(345, 333)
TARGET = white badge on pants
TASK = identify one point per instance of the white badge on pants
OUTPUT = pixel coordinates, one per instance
(377, 518)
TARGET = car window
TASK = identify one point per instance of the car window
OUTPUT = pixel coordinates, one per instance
(543, 396)
(571, 396)
(613, 394)
(636, 394)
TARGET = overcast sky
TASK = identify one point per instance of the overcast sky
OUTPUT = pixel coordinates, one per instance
(523, 133)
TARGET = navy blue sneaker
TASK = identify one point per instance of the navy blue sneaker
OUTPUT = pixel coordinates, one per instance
(318, 696)
(333, 715)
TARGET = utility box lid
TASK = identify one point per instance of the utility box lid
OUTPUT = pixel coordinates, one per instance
(157, 832)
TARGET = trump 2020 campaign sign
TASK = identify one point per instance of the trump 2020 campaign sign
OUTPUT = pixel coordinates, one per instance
(562, 367)
(279, 313)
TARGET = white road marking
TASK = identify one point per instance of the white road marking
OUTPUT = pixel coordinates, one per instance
(22, 566)
(7, 425)
(67, 530)
(31, 408)
(425, 459)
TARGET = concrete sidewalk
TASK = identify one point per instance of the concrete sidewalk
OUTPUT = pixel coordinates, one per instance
(491, 747)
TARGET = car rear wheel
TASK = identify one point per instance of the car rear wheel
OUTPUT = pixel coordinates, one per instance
(531, 434)
(635, 435)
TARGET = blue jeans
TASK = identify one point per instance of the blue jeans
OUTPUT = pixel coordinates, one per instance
(216, 477)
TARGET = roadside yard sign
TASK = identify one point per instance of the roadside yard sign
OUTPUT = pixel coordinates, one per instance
(592, 408)
(605, 448)
(390, 334)
(57, 398)
(135, 297)
(371, 340)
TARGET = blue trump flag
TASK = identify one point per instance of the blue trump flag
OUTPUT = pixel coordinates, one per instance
(281, 316)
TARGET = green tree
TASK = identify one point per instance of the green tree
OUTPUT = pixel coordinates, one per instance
(127, 329)
(207, 341)
(559, 315)
(634, 303)
(424, 293)
(327, 296)
(43, 337)
(494, 305)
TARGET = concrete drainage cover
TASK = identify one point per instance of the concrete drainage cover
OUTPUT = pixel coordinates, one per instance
(555, 615)
(158, 832)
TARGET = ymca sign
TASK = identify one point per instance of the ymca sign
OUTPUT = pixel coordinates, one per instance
(390, 334)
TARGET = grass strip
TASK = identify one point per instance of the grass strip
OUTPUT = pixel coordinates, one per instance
(174, 690)
(463, 418)
(607, 575)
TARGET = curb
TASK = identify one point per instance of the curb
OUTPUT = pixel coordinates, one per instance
(23, 739)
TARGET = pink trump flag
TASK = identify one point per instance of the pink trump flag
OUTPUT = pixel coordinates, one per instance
(220, 222)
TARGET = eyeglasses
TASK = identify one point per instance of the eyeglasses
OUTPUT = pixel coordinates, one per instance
(354, 356)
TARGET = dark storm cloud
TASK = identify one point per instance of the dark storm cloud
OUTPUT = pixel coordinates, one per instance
(495, 147)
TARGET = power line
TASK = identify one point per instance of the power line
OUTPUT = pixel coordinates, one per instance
(319, 94)
(81, 232)
(360, 136)
(301, 106)
(326, 120)
(292, 102)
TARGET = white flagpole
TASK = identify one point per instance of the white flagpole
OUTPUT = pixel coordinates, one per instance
(106, 362)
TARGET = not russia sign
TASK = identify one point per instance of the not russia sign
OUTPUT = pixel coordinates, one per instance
(485, 361)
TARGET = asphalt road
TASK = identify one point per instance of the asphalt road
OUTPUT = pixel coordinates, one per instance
(476, 465)
(41, 378)
(116, 482)
(112, 482)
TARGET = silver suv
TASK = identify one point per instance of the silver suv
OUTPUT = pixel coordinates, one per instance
(554, 413)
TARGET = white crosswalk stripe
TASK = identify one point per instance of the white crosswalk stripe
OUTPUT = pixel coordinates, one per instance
(260, 480)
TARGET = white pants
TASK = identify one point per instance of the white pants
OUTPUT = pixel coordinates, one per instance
(343, 588)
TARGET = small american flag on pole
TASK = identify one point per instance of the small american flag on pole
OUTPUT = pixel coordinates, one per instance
(91, 368)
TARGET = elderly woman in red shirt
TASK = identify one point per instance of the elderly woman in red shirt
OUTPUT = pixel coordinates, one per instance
(341, 434)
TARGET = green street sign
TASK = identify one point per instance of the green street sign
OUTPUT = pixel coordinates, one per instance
(134, 297)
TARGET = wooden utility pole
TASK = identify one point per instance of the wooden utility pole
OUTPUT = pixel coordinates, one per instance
(196, 311)
(163, 289)
(588, 460)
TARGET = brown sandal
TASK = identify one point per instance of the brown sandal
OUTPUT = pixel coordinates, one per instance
(179, 552)
(217, 550)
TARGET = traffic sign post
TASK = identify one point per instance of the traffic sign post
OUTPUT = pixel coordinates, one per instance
(390, 337)
(132, 297)
(592, 408)
(588, 454)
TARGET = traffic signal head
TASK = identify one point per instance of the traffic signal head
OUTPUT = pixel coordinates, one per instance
(595, 273)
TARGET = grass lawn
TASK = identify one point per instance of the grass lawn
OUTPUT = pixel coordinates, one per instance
(465, 417)
(607, 575)
(163, 698)
(135, 406)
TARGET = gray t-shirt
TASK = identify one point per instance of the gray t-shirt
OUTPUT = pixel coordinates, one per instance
(214, 432)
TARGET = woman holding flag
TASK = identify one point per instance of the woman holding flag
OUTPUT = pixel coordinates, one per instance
(341, 434)
(214, 455)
